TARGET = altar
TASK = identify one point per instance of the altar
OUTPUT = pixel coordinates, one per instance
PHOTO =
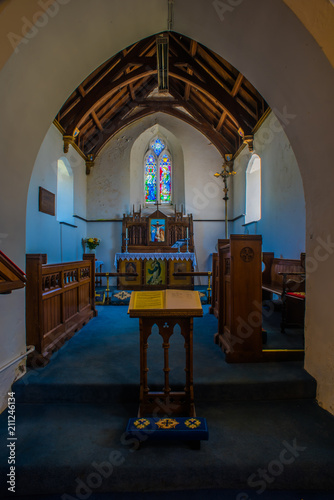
(155, 247)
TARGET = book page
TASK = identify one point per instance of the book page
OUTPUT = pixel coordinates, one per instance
(183, 299)
(148, 300)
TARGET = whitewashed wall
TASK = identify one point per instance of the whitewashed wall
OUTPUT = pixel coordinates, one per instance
(44, 233)
(282, 223)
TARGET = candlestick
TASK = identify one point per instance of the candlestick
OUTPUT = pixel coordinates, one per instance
(126, 240)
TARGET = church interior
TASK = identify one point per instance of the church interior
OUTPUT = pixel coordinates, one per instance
(177, 154)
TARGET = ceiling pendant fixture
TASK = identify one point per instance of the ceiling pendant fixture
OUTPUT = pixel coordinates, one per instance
(162, 62)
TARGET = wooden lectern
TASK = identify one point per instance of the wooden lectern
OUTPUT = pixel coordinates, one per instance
(166, 309)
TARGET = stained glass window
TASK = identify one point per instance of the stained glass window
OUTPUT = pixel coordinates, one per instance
(157, 184)
(165, 171)
(150, 178)
(157, 145)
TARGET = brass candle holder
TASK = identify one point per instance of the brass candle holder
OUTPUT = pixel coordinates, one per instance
(225, 174)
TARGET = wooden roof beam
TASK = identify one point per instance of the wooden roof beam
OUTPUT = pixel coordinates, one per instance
(94, 98)
(111, 126)
(103, 87)
(113, 106)
(201, 119)
(96, 120)
(233, 108)
(237, 84)
(214, 91)
(132, 92)
(98, 142)
(193, 48)
(221, 121)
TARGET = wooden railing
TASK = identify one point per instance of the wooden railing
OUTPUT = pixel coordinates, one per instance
(199, 273)
(60, 299)
(11, 276)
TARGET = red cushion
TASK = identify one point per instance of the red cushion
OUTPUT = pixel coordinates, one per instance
(300, 295)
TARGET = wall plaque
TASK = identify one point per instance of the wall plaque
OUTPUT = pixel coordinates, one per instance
(46, 201)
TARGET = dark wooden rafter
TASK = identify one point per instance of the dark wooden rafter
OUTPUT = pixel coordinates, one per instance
(117, 122)
(213, 88)
(214, 136)
(150, 106)
(207, 92)
(193, 49)
(109, 83)
(121, 123)
(120, 101)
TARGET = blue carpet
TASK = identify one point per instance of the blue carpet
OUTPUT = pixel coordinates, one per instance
(72, 415)
(87, 368)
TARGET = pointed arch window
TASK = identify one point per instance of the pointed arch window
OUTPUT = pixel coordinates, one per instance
(158, 172)
(253, 189)
(65, 194)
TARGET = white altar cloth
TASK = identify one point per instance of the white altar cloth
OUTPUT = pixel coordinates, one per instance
(155, 255)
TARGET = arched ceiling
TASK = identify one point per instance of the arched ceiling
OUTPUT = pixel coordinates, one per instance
(204, 90)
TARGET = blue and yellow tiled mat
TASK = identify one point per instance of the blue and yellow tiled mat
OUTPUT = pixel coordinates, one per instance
(183, 428)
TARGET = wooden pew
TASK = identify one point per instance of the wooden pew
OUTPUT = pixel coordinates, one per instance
(286, 278)
(273, 275)
(60, 299)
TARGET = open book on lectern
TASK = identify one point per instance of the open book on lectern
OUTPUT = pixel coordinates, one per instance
(161, 302)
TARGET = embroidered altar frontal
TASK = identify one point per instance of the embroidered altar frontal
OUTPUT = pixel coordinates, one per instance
(182, 428)
(155, 270)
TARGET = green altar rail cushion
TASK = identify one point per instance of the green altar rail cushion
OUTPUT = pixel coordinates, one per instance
(185, 428)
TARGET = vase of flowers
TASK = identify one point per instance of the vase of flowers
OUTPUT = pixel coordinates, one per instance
(92, 243)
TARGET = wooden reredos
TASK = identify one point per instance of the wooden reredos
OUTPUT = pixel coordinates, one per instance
(138, 229)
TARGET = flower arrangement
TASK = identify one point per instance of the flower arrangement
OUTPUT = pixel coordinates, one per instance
(92, 243)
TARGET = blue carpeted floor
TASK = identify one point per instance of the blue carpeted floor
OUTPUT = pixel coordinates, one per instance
(268, 436)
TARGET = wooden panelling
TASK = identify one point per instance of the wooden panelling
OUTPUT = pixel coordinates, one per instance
(238, 297)
(59, 301)
(51, 313)
(70, 303)
(83, 296)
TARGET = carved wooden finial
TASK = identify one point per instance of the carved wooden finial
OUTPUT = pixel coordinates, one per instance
(249, 139)
(90, 161)
(68, 141)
